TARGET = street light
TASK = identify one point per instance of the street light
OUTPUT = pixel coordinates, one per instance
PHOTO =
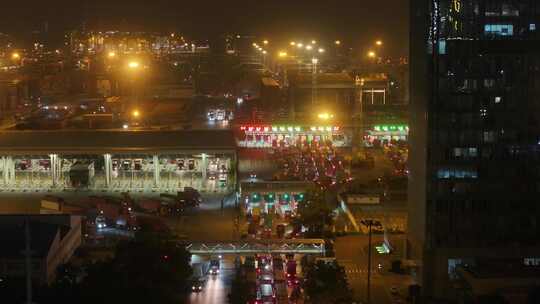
(292, 43)
(282, 54)
(337, 42)
(313, 41)
(15, 56)
(378, 42)
(371, 54)
(136, 113)
(265, 41)
(133, 64)
(325, 116)
(369, 223)
(111, 54)
(321, 50)
(300, 45)
(309, 47)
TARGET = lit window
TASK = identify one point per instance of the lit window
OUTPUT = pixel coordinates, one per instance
(442, 46)
(443, 173)
(532, 27)
(498, 99)
(499, 29)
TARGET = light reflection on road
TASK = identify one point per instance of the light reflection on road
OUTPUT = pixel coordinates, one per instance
(216, 288)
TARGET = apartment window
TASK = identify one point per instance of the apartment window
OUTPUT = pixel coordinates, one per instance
(499, 29)
(442, 46)
(489, 83)
(531, 261)
(488, 136)
(532, 27)
(458, 173)
(509, 10)
(483, 112)
(497, 99)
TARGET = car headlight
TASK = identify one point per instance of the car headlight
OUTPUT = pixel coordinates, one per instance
(200, 287)
(193, 287)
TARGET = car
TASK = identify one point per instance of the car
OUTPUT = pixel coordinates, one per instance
(197, 285)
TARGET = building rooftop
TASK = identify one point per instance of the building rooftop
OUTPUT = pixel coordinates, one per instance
(97, 141)
(12, 237)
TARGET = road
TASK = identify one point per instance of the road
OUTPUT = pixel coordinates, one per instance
(352, 252)
(217, 287)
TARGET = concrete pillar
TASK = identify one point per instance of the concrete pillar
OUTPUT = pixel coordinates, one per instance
(58, 169)
(204, 166)
(9, 170)
(156, 170)
(4, 169)
(108, 169)
(54, 168)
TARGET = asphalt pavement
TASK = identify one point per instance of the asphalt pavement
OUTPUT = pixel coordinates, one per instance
(216, 287)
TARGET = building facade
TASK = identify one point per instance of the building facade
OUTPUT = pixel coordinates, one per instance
(475, 138)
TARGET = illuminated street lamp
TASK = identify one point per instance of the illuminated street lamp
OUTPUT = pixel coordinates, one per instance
(378, 42)
(313, 41)
(282, 54)
(309, 47)
(325, 116)
(371, 54)
(299, 45)
(321, 50)
(265, 41)
(133, 64)
(292, 43)
(111, 54)
(337, 42)
(15, 56)
(264, 52)
(136, 114)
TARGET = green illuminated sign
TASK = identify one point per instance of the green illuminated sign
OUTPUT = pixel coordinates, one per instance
(391, 128)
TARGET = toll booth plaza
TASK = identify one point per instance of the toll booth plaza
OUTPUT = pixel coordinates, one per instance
(274, 136)
(273, 196)
(117, 160)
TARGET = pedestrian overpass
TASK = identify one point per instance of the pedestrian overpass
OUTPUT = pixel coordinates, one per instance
(301, 246)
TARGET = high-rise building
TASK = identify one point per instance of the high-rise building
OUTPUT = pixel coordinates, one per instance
(474, 184)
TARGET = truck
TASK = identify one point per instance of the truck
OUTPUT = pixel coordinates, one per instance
(172, 203)
(193, 194)
(214, 266)
(150, 205)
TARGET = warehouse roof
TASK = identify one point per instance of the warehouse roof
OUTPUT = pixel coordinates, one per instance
(97, 141)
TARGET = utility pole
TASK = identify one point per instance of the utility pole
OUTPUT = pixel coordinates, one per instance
(369, 224)
(314, 62)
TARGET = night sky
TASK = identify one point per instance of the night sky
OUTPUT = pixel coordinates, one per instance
(358, 22)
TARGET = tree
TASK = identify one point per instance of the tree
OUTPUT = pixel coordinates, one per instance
(327, 283)
(314, 213)
(144, 270)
